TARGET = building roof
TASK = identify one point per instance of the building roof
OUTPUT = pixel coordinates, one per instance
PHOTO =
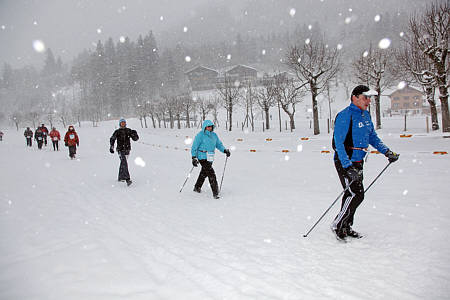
(406, 89)
(200, 68)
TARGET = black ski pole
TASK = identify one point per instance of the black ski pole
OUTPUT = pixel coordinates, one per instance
(189, 175)
(323, 215)
(223, 173)
(373, 181)
(377, 176)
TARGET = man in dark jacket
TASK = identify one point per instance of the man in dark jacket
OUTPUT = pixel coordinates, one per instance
(353, 132)
(123, 135)
(44, 133)
(28, 134)
(39, 137)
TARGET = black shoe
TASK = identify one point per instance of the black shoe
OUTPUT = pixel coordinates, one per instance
(341, 235)
(353, 234)
(216, 196)
(197, 190)
(129, 182)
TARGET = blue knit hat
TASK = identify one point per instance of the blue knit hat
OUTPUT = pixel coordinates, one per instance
(122, 120)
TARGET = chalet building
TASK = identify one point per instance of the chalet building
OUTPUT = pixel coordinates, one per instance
(202, 78)
(242, 73)
(407, 100)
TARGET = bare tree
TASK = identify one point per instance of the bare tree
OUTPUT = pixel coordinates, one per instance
(229, 90)
(141, 112)
(17, 119)
(250, 99)
(430, 33)
(150, 110)
(288, 95)
(214, 105)
(188, 105)
(33, 117)
(266, 97)
(417, 68)
(373, 68)
(314, 64)
(204, 106)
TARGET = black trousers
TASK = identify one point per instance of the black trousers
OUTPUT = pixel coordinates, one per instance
(55, 145)
(207, 171)
(123, 169)
(40, 144)
(352, 198)
(72, 151)
(29, 142)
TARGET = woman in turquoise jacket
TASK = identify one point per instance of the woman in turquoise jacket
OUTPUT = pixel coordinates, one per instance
(203, 149)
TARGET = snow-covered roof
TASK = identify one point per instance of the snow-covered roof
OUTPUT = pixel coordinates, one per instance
(200, 68)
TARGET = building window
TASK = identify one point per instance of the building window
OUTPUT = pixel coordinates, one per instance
(405, 105)
(395, 105)
(406, 97)
(396, 98)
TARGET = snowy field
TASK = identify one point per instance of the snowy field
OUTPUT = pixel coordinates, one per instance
(69, 230)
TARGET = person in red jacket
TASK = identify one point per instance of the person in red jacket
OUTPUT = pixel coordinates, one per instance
(55, 137)
(71, 140)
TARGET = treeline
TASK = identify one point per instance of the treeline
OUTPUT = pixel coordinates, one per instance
(136, 78)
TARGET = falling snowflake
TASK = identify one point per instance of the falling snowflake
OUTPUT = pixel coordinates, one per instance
(122, 39)
(339, 46)
(139, 161)
(286, 157)
(267, 241)
(229, 56)
(187, 58)
(401, 85)
(384, 43)
(233, 148)
(366, 53)
(405, 192)
(350, 9)
(402, 34)
(307, 41)
(348, 20)
(188, 141)
(292, 12)
(99, 30)
(38, 46)
(161, 18)
(309, 26)
(185, 29)
(299, 148)
(377, 18)
(35, 23)
(263, 52)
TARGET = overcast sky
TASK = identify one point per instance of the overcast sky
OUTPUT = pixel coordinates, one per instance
(69, 26)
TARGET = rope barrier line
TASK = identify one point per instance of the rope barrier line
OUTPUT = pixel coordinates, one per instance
(285, 151)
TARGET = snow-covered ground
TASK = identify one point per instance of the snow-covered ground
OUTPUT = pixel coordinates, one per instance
(69, 230)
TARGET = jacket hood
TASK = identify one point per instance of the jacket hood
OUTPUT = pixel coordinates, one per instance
(207, 123)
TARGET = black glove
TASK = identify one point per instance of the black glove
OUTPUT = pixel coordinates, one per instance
(354, 174)
(194, 161)
(134, 136)
(111, 149)
(227, 152)
(392, 156)
(65, 144)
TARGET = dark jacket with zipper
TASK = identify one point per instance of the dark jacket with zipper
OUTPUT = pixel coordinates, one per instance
(123, 135)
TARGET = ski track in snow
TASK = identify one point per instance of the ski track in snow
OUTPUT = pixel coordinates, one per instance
(71, 231)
